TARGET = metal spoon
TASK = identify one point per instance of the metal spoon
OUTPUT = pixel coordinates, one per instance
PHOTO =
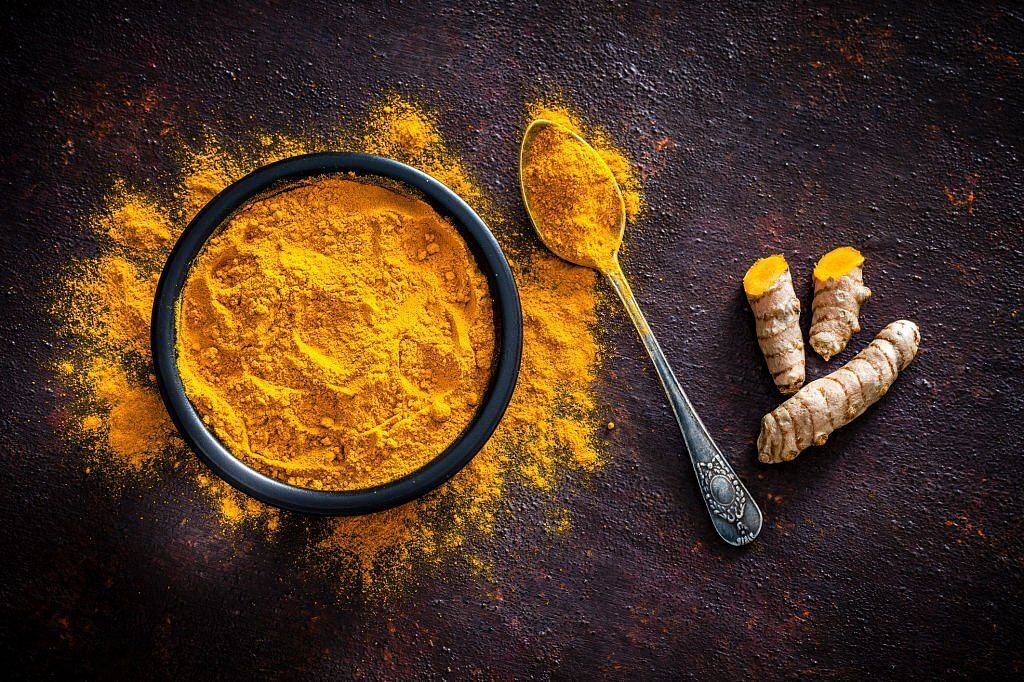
(733, 511)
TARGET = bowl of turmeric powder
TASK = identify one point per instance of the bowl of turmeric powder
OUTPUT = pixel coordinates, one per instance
(336, 333)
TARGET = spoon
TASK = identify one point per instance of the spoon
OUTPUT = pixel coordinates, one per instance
(733, 511)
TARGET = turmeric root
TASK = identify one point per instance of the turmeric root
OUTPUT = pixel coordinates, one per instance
(831, 402)
(769, 289)
(839, 292)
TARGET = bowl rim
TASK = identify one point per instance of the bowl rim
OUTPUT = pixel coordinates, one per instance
(508, 337)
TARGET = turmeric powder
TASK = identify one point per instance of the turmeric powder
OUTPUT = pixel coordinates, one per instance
(336, 335)
(550, 426)
(556, 110)
(572, 193)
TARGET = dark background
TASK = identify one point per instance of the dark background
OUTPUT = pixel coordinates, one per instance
(894, 550)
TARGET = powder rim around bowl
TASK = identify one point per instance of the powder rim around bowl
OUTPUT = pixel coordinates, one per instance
(508, 353)
(336, 334)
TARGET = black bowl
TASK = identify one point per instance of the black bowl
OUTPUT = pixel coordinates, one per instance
(508, 337)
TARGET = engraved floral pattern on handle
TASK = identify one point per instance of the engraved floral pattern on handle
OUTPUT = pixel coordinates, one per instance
(721, 490)
(724, 495)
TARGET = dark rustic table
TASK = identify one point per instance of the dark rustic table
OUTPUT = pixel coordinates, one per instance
(797, 127)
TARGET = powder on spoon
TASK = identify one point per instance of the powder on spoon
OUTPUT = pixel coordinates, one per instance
(573, 197)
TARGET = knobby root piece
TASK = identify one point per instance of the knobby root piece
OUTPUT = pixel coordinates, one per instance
(769, 288)
(831, 402)
(839, 292)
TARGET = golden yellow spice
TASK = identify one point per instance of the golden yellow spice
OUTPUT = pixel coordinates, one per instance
(559, 112)
(573, 197)
(337, 335)
(550, 427)
(105, 304)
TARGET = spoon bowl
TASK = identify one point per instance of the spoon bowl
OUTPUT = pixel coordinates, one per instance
(536, 128)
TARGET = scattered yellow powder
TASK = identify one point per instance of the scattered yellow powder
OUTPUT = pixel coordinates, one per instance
(138, 224)
(126, 316)
(550, 425)
(337, 335)
(398, 128)
(559, 520)
(138, 427)
(231, 509)
(207, 171)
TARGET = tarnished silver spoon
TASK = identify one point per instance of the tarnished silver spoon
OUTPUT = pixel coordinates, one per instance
(733, 511)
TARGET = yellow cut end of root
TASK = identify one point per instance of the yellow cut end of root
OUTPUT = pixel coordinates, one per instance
(763, 274)
(837, 263)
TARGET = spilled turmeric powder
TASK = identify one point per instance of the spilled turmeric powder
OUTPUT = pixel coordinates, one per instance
(551, 426)
(138, 425)
(336, 335)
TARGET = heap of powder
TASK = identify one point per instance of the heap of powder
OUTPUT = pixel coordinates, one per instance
(336, 335)
(573, 197)
(556, 110)
(549, 428)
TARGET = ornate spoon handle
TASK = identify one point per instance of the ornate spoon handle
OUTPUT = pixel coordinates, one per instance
(733, 511)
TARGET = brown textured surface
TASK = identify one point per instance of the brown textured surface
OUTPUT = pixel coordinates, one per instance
(893, 550)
